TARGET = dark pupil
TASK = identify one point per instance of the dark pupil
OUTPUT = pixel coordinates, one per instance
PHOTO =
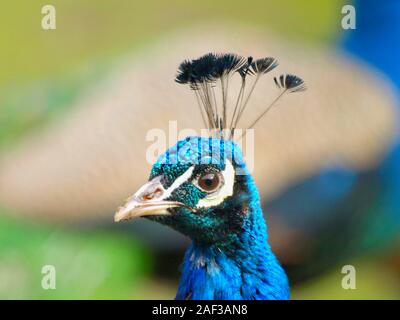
(209, 182)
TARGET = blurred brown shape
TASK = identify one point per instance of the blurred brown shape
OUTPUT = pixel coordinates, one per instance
(83, 165)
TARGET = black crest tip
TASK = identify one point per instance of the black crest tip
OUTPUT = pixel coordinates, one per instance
(184, 72)
(204, 68)
(227, 63)
(264, 65)
(290, 82)
(245, 69)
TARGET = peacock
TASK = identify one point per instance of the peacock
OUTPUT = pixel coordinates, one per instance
(202, 188)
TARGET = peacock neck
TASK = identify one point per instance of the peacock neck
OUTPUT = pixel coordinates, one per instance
(243, 267)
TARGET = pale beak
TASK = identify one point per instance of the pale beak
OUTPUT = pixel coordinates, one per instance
(147, 201)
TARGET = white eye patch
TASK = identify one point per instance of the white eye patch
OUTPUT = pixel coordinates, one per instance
(225, 191)
(178, 182)
(212, 199)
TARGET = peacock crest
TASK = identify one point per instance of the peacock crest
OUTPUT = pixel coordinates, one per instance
(209, 76)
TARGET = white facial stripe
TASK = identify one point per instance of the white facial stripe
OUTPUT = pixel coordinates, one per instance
(225, 191)
(184, 177)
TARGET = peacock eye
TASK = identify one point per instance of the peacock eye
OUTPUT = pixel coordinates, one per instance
(210, 182)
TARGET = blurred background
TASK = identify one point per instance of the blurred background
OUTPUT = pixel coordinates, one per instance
(76, 104)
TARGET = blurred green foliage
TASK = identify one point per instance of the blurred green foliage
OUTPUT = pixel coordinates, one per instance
(89, 264)
(88, 30)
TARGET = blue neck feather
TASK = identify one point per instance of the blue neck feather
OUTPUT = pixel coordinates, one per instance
(244, 269)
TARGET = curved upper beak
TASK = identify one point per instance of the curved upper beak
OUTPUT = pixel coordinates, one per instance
(148, 200)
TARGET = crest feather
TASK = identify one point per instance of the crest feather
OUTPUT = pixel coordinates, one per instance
(205, 73)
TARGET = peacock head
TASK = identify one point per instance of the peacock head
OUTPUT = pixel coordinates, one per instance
(201, 186)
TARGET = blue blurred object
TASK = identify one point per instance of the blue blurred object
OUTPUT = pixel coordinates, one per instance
(362, 207)
(376, 41)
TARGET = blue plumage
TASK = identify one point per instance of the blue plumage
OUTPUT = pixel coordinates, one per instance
(230, 257)
(247, 269)
(209, 274)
